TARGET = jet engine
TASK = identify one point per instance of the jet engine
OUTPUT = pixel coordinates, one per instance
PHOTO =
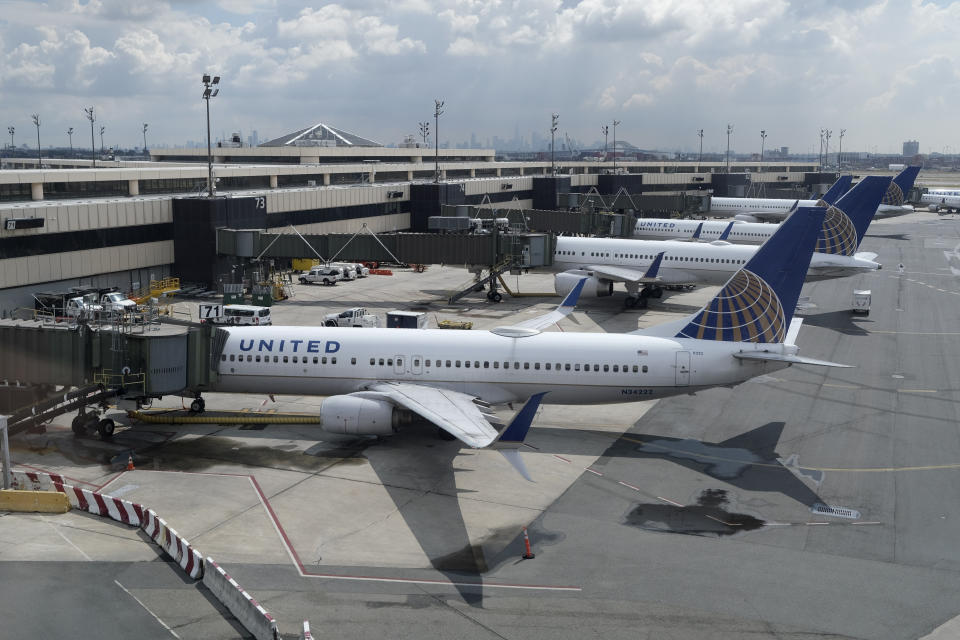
(746, 217)
(594, 287)
(359, 416)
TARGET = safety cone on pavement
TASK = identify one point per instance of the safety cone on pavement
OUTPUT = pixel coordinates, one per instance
(528, 555)
(130, 466)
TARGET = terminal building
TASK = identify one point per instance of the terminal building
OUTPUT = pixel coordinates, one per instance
(68, 223)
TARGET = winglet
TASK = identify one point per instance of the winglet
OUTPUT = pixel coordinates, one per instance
(726, 232)
(654, 267)
(532, 326)
(514, 435)
(697, 232)
(574, 295)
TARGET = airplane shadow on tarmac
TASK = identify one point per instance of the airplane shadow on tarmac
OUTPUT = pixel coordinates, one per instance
(841, 321)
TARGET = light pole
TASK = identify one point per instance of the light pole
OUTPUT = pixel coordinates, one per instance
(553, 130)
(763, 139)
(145, 125)
(700, 155)
(840, 152)
(424, 131)
(820, 154)
(10, 130)
(605, 129)
(36, 121)
(70, 133)
(826, 146)
(437, 112)
(615, 123)
(210, 90)
(103, 128)
(729, 131)
(93, 147)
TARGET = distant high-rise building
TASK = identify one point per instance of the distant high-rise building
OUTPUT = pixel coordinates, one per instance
(784, 151)
(911, 148)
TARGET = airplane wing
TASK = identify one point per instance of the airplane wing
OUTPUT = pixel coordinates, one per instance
(625, 274)
(454, 412)
(547, 319)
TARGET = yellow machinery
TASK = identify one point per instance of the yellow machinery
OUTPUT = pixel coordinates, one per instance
(156, 289)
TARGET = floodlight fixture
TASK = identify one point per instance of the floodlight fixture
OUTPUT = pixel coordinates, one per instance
(206, 78)
(729, 131)
(11, 130)
(763, 139)
(554, 117)
(605, 130)
(70, 134)
(93, 147)
(615, 123)
(700, 156)
(210, 90)
(36, 121)
(216, 80)
(437, 112)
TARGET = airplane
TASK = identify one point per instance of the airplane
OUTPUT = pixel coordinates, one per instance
(736, 231)
(604, 261)
(937, 199)
(376, 379)
(774, 209)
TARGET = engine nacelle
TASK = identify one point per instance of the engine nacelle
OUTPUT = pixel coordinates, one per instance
(359, 416)
(746, 217)
(933, 207)
(594, 287)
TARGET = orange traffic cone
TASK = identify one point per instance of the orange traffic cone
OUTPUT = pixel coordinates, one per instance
(528, 555)
(130, 466)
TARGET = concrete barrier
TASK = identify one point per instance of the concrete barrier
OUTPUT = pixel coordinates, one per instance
(34, 481)
(248, 611)
(33, 501)
(189, 559)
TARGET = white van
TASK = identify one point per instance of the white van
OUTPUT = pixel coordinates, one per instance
(240, 314)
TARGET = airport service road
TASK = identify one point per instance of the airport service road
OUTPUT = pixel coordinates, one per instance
(686, 518)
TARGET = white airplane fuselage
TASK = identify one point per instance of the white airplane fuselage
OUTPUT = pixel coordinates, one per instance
(945, 199)
(672, 229)
(778, 208)
(705, 263)
(573, 368)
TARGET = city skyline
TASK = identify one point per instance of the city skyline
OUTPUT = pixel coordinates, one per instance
(883, 71)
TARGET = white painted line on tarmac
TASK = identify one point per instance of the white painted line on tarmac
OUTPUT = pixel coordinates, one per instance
(68, 541)
(145, 608)
(484, 585)
(676, 504)
(869, 522)
(817, 524)
(629, 486)
(561, 458)
(596, 473)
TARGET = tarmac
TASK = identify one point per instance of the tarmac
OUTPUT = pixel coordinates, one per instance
(808, 502)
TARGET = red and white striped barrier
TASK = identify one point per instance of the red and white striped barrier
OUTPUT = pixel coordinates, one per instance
(189, 559)
(306, 635)
(34, 481)
(90, 501)
(241, 604)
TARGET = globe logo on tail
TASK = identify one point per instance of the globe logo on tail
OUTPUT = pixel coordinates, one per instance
(893, 196)
(838, 235)
(745, 310)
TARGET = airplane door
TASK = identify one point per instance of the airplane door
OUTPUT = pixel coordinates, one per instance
(398, 365)
(683, 368)
(416, 365)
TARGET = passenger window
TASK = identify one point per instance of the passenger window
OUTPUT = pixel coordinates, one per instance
(353, 361)
(381, 362)
(526, 365)
(496, 364)
(448, 363)
(315, 359)
(294, 359)
(634, 368)
(536, 365)
(616, 368)
(576, 366)
(223, 358)
(323, 360)
(547, 366)
(458, 363)
(476, 364)
(232, 357)
(276, 358)
(486, 364)
(333, 360)
(467, 364)
(567, 367)
(257, 358)
(399, 362)
(389, 362)
(416, 362)
(606, 368)
(373, 361)
(427, 363)
(286, 359)
(644, 368)
(249, 358)
(516, 365)
(506, 365)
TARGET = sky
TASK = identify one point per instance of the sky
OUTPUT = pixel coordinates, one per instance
(884, 71)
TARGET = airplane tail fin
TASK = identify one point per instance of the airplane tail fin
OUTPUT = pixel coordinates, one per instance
(837, 190)
(847, 221)
(900, 186)
(758, 302)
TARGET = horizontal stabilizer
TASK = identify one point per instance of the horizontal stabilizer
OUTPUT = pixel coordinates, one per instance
(780, 357)
(865, 255)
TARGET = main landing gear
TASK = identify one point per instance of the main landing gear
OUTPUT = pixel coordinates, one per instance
(640, 298)
(199, 405)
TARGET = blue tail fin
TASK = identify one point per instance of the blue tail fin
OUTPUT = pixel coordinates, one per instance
(757, 303)
(900, 187)
(847, 220)
(838, 189)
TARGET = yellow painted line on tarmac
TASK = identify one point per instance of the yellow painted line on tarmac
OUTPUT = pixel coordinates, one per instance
(770, 465)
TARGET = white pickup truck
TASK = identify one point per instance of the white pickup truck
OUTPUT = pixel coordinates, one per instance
(355, 317)
(118, 302)
(322, 275)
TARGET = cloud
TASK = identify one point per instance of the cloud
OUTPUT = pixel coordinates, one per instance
(467, 47)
